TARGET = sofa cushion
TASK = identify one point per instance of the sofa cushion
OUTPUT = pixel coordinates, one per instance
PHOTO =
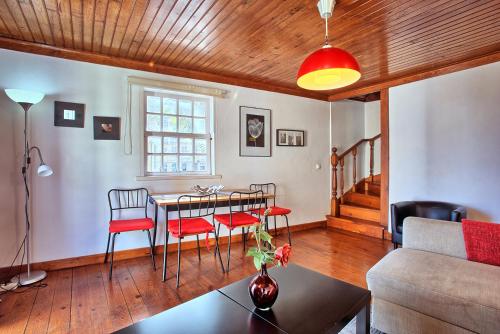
(482, 241)
(450, 289)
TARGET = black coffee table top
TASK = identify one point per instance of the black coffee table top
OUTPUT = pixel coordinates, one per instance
(210, 313)
(308, 302)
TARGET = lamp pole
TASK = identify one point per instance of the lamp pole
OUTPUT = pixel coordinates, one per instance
(26, 100)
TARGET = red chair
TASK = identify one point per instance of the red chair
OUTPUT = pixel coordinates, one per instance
(241, 206)
(192, 211)
(128, 200)
(270, 188)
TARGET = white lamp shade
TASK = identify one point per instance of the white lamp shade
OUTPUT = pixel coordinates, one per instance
(24, 96)
(45, 170)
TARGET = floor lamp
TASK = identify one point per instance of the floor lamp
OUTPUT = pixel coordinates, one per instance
(26, 99)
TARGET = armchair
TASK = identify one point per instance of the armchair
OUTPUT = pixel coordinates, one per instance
(423, 209)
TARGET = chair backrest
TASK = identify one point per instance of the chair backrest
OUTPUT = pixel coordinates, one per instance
(246, 201)
(195, 206)
(267, 188)
(128, 199)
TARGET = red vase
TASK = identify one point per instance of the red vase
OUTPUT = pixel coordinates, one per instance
(263, 290)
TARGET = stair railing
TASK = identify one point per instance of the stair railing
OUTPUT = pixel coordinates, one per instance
(338, 161)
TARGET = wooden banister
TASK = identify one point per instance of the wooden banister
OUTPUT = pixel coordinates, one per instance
(340, 158)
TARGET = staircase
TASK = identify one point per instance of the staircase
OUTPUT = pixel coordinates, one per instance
(357, 210)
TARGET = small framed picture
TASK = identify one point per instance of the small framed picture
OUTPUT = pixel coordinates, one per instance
(106, 128)
(286, 137)
(69, 114)
(255, 132)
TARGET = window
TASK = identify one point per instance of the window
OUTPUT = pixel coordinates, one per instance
(177, 134)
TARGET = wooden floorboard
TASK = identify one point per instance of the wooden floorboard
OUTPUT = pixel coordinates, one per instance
(84, 300)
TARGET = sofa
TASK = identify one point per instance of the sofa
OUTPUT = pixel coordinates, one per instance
(423, 209)
(428, 286)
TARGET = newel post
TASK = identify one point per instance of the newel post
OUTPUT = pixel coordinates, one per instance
(372, 144)
(334, 201)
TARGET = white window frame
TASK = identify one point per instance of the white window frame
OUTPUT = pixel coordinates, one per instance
(209, 135)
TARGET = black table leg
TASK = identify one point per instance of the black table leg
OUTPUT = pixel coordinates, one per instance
(155, 229)
(363, 320)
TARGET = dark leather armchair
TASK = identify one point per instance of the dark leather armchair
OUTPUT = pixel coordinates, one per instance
(424, 209)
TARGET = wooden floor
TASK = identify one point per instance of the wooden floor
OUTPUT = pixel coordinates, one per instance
(83, 300)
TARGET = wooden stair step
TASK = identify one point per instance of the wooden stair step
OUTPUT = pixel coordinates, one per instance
(361, 226)
(364, 199)
(360, 212)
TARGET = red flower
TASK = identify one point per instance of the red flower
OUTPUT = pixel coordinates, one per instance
(282, 254)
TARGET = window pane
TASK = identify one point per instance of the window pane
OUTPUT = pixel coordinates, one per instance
(200, 146)
(201, 163)
(170, 164)
(186, 163)
(153, 104)
(200, 108)
(199, 125)
(153, 123)
(186, 145)
(185, 107)
(170, 123)
(154, 144)
(185, 125)
(169, 106)
(154, 163)
(169, 145)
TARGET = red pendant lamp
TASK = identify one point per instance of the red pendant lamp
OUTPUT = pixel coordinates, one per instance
(329, 67)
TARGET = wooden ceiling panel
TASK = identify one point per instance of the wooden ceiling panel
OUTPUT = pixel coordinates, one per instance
(259, 43)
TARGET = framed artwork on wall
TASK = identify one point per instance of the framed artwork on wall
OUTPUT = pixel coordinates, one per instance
(69, 114)
(255, 132)
(286, 137)
(106, 128)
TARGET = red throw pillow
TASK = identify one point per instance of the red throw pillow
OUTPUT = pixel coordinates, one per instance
(482, 241)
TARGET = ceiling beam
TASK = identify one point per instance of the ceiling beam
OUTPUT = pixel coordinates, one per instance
(52, 51)
(417, 75)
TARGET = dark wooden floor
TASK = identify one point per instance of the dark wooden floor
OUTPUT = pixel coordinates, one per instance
(83, 300)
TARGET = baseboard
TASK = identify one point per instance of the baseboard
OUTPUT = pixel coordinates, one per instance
(140, 252)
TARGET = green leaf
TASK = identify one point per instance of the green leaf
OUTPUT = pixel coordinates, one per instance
(257, 262)
(253, 252)
(265, 236)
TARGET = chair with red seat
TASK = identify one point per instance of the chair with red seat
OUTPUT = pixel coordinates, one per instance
(241, 205)
(192, 211)
(270, 188)
(121, 200)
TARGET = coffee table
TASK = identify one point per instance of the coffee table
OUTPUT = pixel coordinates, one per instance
(308, 302)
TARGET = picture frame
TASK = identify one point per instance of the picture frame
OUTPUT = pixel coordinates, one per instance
(288, 137)
(106, 128)
(69, 114)
(255, 132)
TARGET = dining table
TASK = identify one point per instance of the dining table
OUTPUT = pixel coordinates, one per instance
(169, 203)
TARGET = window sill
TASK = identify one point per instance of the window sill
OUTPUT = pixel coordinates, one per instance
(178, 177)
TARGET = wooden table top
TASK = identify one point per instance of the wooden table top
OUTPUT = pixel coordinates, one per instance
(163, 199)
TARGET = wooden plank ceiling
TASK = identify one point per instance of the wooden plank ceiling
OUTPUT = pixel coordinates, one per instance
(256, 43)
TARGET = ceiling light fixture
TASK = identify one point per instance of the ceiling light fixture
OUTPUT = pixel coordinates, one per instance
(329, 67)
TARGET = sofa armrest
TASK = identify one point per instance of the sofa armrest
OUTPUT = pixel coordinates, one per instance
(437, 236)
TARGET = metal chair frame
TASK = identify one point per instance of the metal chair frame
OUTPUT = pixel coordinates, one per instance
(193, 206)
(253, 201)
(270, 188)
(127, 199)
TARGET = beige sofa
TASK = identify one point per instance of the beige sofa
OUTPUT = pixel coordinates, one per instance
(428, 286)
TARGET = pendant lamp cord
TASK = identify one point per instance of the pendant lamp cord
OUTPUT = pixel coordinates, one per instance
(326, 31)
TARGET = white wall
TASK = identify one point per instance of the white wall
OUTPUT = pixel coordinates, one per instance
(444, 141)
(347, 127)
(70, 210)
